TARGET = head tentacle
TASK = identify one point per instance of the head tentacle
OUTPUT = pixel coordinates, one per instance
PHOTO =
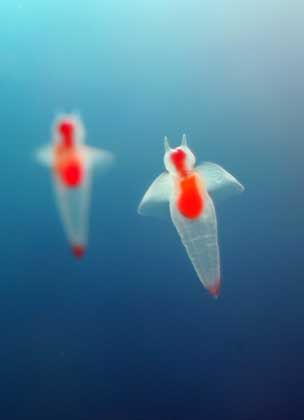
(184, 140)
(166, 144)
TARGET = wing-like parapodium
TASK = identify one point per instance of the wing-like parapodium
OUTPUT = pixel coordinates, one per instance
(45, 156)
(98, 158)
(199, 236)
(155, 202)
(219, 183)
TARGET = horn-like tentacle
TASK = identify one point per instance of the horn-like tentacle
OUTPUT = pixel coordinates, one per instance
(166, 144)
(184, 140)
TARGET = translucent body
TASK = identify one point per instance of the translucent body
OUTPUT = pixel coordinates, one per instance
(185, 194)
(199, 237)
(71, 163)
(73, 205)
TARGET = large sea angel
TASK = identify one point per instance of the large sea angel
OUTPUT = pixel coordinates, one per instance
(185, 193)
(71, 162)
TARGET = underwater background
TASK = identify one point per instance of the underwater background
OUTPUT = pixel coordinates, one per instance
(129, 332)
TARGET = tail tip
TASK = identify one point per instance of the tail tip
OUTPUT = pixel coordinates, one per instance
(78, 251)
(215, 289)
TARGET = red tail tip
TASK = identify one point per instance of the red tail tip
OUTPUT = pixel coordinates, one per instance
(78, 251)
(215, 289)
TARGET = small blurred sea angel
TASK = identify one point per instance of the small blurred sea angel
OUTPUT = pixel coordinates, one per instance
(71, 163)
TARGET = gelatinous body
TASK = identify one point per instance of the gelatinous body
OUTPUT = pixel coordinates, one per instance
(71, 163)
(187, 192)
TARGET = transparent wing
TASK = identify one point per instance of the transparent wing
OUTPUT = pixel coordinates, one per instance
(44, 156)
(199, 236)
(98, 158)
(155, 202)
(219, 183)
(73, 205)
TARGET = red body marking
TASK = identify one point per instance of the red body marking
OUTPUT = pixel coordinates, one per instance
(71, 174)
(69, 167)
(215, 290)
(68, 164)
(190, 201)
(178, 158)
(66, 129)
(78, 251)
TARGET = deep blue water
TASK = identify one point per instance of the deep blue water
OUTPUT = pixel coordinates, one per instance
(129, 332)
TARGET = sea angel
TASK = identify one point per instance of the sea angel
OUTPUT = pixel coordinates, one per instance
(71, 163)
(186, 191)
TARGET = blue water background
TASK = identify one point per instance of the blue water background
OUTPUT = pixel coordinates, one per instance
(129, 332)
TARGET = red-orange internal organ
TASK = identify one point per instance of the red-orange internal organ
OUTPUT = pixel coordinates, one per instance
(190, 201)
(66, 129)
(69, 166)
(71, 174)
(178, 158)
